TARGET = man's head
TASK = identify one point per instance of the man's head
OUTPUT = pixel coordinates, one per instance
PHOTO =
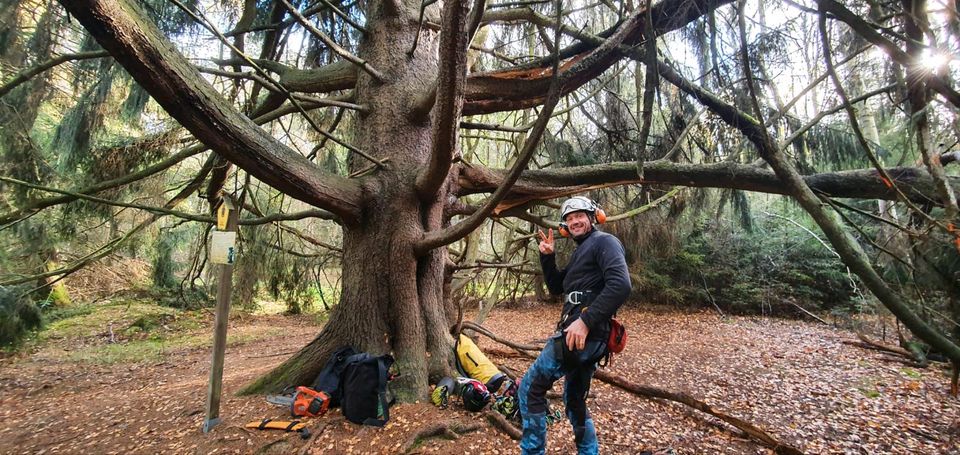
(577, 216)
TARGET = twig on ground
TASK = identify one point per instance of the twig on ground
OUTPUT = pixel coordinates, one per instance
(270, 355)
(806, 312)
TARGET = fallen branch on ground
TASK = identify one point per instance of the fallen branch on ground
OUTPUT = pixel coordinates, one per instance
(887, 357)
(954, 377)
(867, 343)
(653, 392)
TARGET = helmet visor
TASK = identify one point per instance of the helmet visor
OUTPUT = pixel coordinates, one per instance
(576, 204)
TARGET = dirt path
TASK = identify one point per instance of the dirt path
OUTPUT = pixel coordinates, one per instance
(794, 379)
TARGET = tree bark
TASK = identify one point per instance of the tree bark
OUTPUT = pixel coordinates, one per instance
(392, 300)
(550, 183)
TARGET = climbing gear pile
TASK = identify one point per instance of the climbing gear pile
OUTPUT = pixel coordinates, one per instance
(473, 394)
(472, 363)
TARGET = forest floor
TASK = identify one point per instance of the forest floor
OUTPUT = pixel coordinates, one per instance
(78, 389)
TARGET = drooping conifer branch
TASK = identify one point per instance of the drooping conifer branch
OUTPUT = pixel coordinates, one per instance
(28, 73)
(123, 30)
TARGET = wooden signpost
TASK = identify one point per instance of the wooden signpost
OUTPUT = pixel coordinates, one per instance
(223, 249)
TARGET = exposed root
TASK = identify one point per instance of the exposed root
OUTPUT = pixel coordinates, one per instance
(448, 430)
(501, 423)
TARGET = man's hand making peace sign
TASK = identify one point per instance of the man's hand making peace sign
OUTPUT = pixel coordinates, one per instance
(546, 242)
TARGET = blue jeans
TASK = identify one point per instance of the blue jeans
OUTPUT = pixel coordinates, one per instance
(577, 369)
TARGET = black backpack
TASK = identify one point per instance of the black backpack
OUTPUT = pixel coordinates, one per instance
(364, 387)
(328, 381)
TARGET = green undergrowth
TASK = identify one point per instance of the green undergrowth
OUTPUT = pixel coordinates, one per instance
(130, 331)
(747, 273)
(157, 348)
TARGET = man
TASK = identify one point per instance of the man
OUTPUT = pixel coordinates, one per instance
(594, 285)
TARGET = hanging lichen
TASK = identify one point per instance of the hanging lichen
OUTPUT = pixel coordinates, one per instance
(134, 104)
(74, 135)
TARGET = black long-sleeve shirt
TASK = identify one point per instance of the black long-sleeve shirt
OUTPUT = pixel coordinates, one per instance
(599, 265)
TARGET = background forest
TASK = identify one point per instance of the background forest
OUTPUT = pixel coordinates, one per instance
(100, 194)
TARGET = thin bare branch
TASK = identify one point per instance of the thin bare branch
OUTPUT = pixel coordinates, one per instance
(202, 20)
(28, 73)
(160, 166)
(119, 241)
(855, 124)
(865, 30)
(919, 95)
(332, 45)
(346, 17)
(122, 29)
(651, 81)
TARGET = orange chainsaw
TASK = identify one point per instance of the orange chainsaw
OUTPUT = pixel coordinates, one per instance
(304, 402)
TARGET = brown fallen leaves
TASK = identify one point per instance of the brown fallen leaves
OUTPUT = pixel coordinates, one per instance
(796, 380)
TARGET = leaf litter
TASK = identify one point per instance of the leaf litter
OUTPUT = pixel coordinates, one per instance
(794, 379)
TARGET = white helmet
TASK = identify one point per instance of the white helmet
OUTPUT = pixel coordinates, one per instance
(577, 204)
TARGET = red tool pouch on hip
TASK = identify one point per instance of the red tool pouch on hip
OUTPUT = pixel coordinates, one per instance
(618, 337)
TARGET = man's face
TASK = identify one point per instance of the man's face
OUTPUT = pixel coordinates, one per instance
(578, 223)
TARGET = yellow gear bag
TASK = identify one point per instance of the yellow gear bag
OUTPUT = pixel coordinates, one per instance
(473, 363)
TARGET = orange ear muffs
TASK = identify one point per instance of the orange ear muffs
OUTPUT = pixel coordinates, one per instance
(600, 215)
(564, 232)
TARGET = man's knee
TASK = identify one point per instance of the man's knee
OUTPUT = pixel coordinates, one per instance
(536, 393)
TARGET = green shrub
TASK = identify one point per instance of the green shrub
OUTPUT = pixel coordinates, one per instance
(164, 267)
(747, 272)
(18, 316)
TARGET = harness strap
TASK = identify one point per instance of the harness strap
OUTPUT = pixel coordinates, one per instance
(577, 301)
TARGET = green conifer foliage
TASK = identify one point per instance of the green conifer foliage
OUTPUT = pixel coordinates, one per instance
(18, 316)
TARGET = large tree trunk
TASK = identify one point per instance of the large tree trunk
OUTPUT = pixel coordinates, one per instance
(392, 301)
